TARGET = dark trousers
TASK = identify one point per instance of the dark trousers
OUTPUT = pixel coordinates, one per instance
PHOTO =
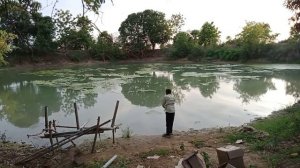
(169, 121)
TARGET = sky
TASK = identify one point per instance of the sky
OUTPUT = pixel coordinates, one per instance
(230, 16)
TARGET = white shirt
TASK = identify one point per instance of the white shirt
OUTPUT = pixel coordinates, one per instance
(168, 102)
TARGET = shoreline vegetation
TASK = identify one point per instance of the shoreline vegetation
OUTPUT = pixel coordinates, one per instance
(273, 141)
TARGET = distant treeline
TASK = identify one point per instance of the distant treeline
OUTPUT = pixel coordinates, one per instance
(27, 35)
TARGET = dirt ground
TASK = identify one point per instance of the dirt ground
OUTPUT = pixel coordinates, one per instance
(133, 152)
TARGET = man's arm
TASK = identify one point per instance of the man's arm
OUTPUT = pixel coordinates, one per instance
(163, 102)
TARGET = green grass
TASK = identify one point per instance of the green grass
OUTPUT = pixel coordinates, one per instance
(198, 143)
(281, 127)
(159, 152)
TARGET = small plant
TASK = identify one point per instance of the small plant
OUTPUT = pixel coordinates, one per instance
(121, 163)
(206, 158)
(3, 137)
(181, 146)
(198, 143)
(96, 164)
(127, 133)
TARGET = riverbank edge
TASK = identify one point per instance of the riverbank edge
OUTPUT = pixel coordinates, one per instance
(10, 151)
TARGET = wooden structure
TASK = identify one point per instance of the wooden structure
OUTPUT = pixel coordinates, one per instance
(51, 132)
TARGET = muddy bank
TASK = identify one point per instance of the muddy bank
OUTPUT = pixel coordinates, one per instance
(134, 151)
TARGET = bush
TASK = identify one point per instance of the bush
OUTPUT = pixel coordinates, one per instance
(182, 45)
(229, 54)
(197, 53)
(77, 55)
(105, 52)
(287, 51)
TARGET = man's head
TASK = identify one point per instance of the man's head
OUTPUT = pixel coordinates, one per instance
(168, 91)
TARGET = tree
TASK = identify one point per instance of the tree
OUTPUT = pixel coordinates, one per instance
(5, 46)
(294, 5)
(45, 32)
(73, 32)
(156, 27)
(144, 28)
(195, 35)
(254, 37)
(17, 18)
(209, 34)
(175, 23)
(132, 36)
(182, 45)
(105, 48)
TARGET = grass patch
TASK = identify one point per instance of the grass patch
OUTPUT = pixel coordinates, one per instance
(159, 152)
(282, 127)
(198, 143)
(96, 164)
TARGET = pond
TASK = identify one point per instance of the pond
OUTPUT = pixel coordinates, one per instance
(207, 95)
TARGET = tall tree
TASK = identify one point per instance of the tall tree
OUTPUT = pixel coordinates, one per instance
(254, 36)
(294, 5)
(17, 18)
(144, 28)
(183, 43)
(209, 34)
(5, 45)
(156, 27)
(175, 23)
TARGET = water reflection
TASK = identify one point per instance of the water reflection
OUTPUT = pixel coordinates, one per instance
(22, 102)
(252, 89)
(229, 90)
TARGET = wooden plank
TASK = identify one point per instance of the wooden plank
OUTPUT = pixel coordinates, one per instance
(50, 133)
(95, 138)
(113, 120)
(76, 116)
(115, 114)
(64, 134)
(46, 118)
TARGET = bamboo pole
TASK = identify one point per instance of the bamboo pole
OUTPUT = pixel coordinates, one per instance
(76, 116)
(62, 126)
(95, 138)
(46, 118)
(54, 127)
(113, 120)
(44, 151)
(50, 132)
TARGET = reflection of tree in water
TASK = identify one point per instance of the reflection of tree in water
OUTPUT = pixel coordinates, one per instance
(70, 96)
(252, 89)
(292, 79)
(148, 90)
(22, 102)
(207, 85)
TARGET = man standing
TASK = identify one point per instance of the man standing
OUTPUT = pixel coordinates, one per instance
(168, 104)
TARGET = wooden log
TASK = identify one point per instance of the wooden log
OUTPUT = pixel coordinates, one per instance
(76, 116)
(46, 118)
(66, 134)
(50, 132)
(95, 138)
(113, 120)
(54, 127)
(62, 126)
(44, 151)
(115, 114)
